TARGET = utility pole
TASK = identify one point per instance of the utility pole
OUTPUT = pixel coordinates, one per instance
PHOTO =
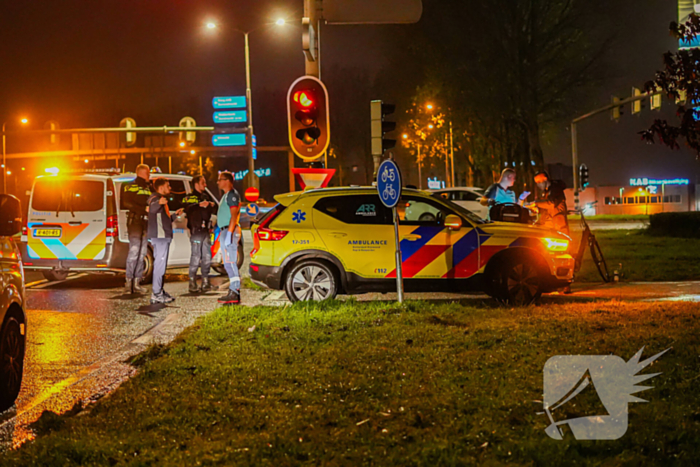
(310, 20)
(452, 155)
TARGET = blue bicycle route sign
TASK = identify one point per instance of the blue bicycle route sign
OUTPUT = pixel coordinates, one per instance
(389, 183)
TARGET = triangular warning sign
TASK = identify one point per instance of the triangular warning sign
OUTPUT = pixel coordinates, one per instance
(313, 178)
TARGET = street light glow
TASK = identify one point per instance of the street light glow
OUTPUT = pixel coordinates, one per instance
(211, 25)
(405, 136)
(280, 22)
(24, 121)
(429, 106)
(431, 126)
(192, 152)
(182, 144)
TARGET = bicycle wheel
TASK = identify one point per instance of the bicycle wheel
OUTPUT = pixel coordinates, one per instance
(598, 259)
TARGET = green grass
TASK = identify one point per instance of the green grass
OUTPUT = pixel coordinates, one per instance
(644, 257)
(344, 383)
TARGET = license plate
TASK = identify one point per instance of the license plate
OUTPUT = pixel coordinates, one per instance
(47, 233)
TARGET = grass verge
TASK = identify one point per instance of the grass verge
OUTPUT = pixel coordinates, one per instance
(644, 257)
(344, 383)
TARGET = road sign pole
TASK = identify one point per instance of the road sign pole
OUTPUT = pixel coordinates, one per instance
(399, 260)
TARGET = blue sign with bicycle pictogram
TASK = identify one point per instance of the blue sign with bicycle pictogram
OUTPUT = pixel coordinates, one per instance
(389, 183)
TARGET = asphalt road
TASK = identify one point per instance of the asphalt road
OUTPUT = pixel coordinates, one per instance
(81, 330)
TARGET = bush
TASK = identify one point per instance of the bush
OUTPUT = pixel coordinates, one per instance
(675, 224)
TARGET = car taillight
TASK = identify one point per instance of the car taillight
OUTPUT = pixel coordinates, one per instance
(113, 226)
(270, 235)
(265, 234)
(25, 230)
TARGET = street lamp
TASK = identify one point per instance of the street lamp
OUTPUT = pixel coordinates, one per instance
(24, 121)
(248, 93)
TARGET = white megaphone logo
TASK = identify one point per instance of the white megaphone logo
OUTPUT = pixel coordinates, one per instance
(588, 394)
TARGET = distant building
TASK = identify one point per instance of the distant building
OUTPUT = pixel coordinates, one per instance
(640, 196)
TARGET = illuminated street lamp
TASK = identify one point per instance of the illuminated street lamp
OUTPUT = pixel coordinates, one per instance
(24, 121)
(429, 106)
(248, 94)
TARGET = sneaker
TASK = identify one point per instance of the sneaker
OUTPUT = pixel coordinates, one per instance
(168, 298)
(231, 298)
(160, 298)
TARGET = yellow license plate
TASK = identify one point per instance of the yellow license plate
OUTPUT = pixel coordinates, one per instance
(47, 232)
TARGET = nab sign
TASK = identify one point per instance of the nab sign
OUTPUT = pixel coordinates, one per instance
(308, 118)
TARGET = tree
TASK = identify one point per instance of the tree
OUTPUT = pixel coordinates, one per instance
(679, 81)
(505, 68)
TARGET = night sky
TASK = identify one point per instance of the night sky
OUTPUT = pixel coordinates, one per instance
(89, 63)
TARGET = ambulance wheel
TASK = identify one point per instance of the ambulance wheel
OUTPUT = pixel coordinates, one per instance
(53, 275)
(311, 280)
(148, 267)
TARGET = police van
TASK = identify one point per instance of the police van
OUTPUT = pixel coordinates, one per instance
(75, 223)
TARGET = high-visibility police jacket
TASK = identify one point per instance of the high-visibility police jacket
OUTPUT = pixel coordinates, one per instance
(198, 218)
(135, 197)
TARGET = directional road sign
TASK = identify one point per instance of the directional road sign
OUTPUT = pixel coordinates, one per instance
(233, 139)
(389, 183)
(231, 116)
(229, 102)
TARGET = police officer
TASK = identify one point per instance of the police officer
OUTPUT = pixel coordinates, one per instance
(160, 233)
(135, 199)
(199, 207)
(227, 219)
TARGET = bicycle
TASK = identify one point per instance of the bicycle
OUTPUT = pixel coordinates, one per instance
(588, 240)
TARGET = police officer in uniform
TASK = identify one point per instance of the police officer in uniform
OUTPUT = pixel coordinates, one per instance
(227, 218)
(135, 199)
(199, 207)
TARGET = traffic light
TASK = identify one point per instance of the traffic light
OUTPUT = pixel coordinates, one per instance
(583, 176)
(616, 111)
(307, 116)
(636, 105)
(379, 111)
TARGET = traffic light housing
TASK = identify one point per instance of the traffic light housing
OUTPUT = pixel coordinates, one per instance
(308, 118)
(617, 111)
(583, 176)
(379, 111)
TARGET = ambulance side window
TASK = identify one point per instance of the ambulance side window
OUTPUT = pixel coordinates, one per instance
(356, 209)
(421, 211)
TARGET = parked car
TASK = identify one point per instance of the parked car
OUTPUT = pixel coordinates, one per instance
(467, 197)
(13, 321)
(75, 223)
(319, 243)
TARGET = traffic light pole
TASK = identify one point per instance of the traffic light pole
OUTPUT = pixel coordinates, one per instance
(251, 180)
(312, 67)
(574, 135)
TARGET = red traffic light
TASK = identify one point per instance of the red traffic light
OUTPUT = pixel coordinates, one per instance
(307, 117)
(304, 98)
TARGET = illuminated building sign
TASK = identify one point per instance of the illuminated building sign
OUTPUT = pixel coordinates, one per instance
(435, 184)
(259, 172)
(651, 181)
